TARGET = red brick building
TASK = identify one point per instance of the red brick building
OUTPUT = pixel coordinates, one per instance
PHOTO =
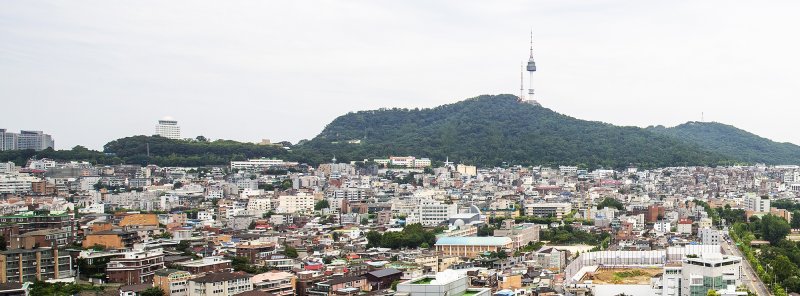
(135, 267)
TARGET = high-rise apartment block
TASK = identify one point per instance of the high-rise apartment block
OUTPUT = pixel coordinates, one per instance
(36, 140)
(168, 128)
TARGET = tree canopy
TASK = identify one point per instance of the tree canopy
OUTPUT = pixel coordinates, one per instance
(412, 236)
(490, 130)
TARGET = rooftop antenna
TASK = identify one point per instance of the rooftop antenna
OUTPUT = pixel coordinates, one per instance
(702, 117)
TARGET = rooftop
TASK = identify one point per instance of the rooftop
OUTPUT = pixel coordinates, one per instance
(474, 241)
(623, 276)
(221, 277)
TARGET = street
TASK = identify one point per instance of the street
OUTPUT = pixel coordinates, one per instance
(749, 277)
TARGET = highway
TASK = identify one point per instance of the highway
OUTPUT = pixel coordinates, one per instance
(749, 277)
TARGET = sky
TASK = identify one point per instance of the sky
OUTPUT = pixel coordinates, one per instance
(88, 72)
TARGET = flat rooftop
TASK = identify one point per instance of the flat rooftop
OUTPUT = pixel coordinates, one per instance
(622, 276)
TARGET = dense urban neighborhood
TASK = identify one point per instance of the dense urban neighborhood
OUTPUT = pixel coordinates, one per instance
(498, 194)
(399, 225)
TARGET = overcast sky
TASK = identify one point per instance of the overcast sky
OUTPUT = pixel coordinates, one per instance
(88, 72)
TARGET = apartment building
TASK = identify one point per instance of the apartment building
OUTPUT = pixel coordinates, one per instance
(471, 247)
(557, 210)
(709, 271)
(758, 204)
(35, 264)
(278, 283)
(168, 128)
(299, 203)
(135, 267)
(17, 184)
(39, 220)
(53, 238)
(172, 281)
(220, 284)
(207, 264)
(520, 234)
(259, 164)
(441, 284)
(36, 140)
(432, 212)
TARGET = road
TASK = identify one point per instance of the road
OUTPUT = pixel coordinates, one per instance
(749, 277)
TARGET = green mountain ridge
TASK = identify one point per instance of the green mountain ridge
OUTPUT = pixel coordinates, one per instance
(734, 142)
(487, 130)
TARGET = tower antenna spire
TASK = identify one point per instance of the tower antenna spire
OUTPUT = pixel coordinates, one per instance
(531, 43)
(521, 84)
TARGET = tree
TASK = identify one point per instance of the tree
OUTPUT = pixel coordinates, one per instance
(796, 219)
(364, 221)
(712, 292)
(201, 139)
(177, 185)
(774, 228)
(322, 204)
(184, 246)
(792, 283)
(611, 202)
(425, 246)
(783, 268)
(501, 254)
(154, 291)
(290, 252)
(485, 230)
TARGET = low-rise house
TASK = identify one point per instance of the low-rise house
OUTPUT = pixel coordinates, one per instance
(133, 290)
(383, 278)
(346, 285)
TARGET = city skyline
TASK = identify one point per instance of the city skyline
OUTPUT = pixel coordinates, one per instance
(241, 72)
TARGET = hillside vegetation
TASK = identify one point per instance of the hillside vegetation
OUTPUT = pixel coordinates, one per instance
(485, 131)
(490, 130)
(733, 142)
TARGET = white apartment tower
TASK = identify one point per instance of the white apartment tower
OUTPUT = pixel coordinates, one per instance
(758, 204)
(35, 140)
(168, 128)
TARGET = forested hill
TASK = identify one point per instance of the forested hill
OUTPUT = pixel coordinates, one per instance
(484, 131)
(199, 152)
(162, 151)
(490, 130)
(729, 140)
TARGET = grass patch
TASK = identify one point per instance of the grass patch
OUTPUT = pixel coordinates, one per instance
(423, 281)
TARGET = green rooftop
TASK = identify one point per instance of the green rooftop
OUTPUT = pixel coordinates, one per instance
(423, 281)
